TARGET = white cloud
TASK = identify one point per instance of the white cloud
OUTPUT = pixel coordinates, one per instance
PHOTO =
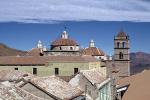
(51, 11)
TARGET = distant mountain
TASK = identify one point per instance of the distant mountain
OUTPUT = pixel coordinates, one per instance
(7, 51)
(139, 62)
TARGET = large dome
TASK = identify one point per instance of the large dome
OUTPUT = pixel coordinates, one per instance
(93, 51)
(64, 42)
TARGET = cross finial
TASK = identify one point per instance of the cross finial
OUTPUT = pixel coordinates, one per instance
(65, 27)
(121, 29)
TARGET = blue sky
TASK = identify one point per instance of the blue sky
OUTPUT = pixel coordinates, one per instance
(24, 22)
(24, 36)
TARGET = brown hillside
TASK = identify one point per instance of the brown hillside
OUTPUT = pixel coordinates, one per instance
(7, 51)
(139, 62)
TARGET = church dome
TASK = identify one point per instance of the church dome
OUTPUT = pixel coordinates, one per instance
(64, 41)
(121, 34)
(34, 52)
(93, 51)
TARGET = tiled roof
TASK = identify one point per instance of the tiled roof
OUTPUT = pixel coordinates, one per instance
(94, 76)
(57, 87)
(121, 34)
(34, 52)
(16, 93)
(66, 78)
(21, 60)
(72, 59)
(93, 51)
(42, 60)
(13, 75)
(139, 88)
(64, 42)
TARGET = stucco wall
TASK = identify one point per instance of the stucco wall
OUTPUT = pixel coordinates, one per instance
(86, 86)
(67, 48)
(65, 68)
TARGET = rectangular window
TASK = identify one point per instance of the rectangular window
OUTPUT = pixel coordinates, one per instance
(89, 92)
(56, 71)
(16, 68)
(34, 71)
(75, 70)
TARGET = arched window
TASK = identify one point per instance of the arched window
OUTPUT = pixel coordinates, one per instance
(124, 45)
(118, 44)
(60, 48)
(120, 55)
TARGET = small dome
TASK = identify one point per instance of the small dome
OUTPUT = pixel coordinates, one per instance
(121, 34)
(64, 42)
(93, 51)
(34, 52)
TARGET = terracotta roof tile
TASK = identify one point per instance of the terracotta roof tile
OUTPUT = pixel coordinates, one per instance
(13, 75)
(34, 52)
(57, 87)
(16, 93)
(94, 76)
(42, 60)
(121, 34)
(93, 51)
(64, 42)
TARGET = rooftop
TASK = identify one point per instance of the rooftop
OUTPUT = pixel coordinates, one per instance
(13, 75)
(34, 52)
(139, 88)
(57, 87)
(93, 51)
(121, 34)
(15, 93)
(42, 60)
(64, 42)
(94, 76)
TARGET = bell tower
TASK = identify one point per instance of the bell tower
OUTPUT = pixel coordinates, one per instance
(121, 54)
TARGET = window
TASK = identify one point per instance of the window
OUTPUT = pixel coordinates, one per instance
(16, 68)
(56, 71)
(34, 71)
(89, 92)
(71, 48)
(75, 70)
(105, 92)
(118, 44)
(120, 55)
(124, 45)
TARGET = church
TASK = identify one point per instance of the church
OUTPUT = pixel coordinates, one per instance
(65, 46)
(65, 58)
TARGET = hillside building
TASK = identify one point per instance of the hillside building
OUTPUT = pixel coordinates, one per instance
(65, 57)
